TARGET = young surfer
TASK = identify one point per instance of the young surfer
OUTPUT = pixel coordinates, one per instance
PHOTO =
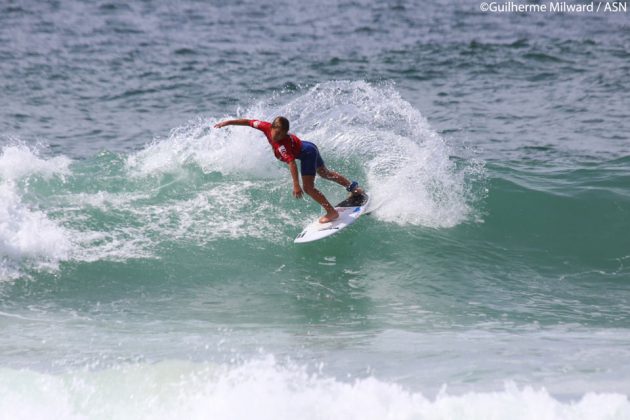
(287, 147)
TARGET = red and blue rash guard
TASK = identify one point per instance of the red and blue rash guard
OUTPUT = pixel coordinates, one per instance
(287, 149)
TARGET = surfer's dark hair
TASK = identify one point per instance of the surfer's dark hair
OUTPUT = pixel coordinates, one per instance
(284, 123)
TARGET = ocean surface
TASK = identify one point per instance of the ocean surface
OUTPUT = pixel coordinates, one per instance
(147, 264)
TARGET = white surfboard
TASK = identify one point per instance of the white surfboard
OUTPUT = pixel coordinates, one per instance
(349, 210)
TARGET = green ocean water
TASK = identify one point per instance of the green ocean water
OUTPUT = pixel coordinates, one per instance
(191, 222)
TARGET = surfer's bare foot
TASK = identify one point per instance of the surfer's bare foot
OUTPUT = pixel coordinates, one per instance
(329, 217)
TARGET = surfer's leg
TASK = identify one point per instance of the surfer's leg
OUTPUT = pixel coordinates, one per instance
(326, 173)
(308, 182)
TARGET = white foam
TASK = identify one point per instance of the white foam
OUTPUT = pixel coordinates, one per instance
(229, 151)
(222, 210)
(263, 389)
(18, 161)
(26, 233)
(226, 211)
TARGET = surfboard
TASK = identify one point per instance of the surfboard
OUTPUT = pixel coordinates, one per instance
(349, 210)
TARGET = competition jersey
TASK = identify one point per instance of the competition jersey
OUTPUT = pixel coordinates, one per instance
(287, 149)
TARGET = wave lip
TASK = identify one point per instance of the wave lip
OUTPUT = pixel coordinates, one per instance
(19, 161)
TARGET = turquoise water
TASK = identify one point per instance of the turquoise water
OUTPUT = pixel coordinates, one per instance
(147, 262)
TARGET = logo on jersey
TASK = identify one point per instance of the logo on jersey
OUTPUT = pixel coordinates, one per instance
(256, 124)
(282, 150)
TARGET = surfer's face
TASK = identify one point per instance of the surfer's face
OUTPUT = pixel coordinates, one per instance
(277, 132)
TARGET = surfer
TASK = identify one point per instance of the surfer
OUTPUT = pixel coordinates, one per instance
(287, 147)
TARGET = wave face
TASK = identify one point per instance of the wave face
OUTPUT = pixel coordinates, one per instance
(201, 185)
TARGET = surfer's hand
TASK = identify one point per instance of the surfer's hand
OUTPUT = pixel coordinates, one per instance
(297, 192)
(220, 124)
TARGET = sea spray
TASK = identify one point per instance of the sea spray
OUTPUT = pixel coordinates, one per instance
(263, 389)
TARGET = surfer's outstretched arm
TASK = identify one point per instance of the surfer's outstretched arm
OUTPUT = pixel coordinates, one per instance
(241, 121)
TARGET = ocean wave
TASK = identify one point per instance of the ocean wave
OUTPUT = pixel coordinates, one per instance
(19, 161)
(264, 389)
(202, 184)
(26, 232)
(365, 131)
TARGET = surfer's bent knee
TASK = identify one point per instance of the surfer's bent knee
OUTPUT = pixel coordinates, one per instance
(309, 189)
(324, 172)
